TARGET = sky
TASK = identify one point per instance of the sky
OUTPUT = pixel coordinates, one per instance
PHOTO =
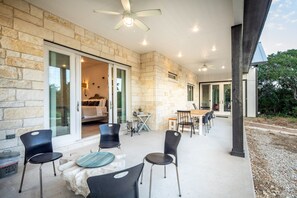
(280, 29)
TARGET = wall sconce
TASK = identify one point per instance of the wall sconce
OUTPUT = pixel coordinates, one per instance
(84, 85)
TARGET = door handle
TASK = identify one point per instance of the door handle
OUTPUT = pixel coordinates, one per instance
(77, 107)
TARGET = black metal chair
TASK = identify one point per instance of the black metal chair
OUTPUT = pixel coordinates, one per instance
(194, 105)
(212, 117)
(109, 136)
(184, 119)
(38, 150)
(120, 184)
(205, 121)
(172, 140)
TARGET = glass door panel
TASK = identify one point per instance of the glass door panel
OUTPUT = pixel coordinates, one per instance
(59, 93)
(215, 97)
(121, 96)
(227, 98)
(205, 97)
(118, 94)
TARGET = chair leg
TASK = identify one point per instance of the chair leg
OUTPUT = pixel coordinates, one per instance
(183, 128)
(23, 175)
(142, 172)
(178, 180)
(40, 177)
(191, 131)
(150, 192)
(165, 171)
(54, 168)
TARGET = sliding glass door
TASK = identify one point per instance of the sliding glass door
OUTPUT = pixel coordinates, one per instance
(60, 92)
(217, 97)
(119, 83)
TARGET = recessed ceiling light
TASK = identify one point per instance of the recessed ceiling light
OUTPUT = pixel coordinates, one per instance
(223, 67)
(199, 70)
(179, 55)
(213, 48)
(144, 42)
(195, 29)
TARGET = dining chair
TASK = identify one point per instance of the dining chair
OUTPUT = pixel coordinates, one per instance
(38, 150)
(205, 121)
(194, 105)
(212, 117)
(184, 119)
(172, 139)
(120, 184)
(109, 136)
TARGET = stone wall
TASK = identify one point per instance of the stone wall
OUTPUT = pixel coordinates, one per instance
(163, 96)
(23, 30)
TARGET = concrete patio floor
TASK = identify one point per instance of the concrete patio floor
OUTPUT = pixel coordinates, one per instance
(206, 168)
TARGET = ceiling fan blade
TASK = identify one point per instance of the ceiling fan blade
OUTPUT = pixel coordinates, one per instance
(107, 12)
(145, 13)
(119, 25)
(126, 5)
(141, 25)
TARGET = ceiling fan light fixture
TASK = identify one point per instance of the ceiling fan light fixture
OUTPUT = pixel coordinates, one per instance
(128, 21)
(204, 68)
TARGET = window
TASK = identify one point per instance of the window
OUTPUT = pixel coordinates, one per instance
(190, 90)
(172, 76)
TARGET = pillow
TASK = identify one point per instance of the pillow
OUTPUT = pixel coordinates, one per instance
(84, 103)
(102, 102)
(91, 103)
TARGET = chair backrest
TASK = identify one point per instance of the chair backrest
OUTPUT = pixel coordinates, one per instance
(206, 118)
(194, 105)
(172, 140)
(183, 116)
(109, 132)
(120, 184)
(36, 142)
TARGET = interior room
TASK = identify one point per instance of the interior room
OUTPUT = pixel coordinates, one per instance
(94, 95)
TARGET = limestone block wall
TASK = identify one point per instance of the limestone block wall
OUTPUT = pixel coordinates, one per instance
(23, 29)
(163, 96)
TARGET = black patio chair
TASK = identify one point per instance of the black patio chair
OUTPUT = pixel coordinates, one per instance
(120, 184)
(184, 119)
(38, 150)
(172, 140)
(109, 136)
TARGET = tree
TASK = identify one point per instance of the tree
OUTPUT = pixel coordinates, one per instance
(278, 84)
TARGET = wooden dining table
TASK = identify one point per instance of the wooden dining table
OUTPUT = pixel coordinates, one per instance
(199, 113)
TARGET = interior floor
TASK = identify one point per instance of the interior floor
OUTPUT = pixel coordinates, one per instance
(90, 128)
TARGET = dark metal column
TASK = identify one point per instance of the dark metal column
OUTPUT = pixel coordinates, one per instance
(237, 108)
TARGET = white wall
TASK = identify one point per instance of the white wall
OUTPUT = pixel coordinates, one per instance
(251, 93)
(96, 75)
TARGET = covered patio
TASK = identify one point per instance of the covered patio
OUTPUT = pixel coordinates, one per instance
(206, 168)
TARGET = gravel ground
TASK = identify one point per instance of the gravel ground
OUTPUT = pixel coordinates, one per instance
(274, 161)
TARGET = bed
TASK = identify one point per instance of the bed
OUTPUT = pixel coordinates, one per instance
(93, 110)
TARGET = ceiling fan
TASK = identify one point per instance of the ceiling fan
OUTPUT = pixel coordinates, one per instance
(129, 18)
(204, 68)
